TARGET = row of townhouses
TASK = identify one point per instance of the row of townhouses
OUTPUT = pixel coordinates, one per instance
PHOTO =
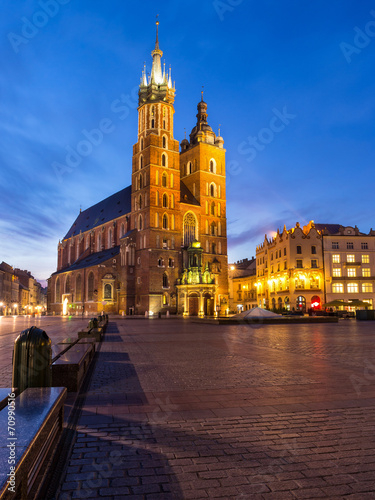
(305, 268)
(20, 293)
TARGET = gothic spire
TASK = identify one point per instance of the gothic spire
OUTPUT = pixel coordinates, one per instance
(156, 72)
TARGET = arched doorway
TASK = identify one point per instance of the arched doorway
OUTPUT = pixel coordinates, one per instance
(208, 305)
(315, 302)
(193, 304)
(301, 304)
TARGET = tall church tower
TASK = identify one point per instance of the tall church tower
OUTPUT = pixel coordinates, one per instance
(156, 191)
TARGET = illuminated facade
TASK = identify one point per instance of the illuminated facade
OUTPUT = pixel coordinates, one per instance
(160, 244)
(349, 262)
(242, 285)
(290, 270)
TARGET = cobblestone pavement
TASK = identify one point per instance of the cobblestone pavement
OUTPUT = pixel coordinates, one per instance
(179, 410)
(57, 329)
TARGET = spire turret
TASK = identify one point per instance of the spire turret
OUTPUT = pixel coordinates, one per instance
(158, 87)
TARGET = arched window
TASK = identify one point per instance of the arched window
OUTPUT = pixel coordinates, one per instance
(58, 294)
(165, 221)
(164, 180)
(163, 160)
(140, 222)
(189, 168)
(122, 230)
(165, 299)
(140, 182)
(140, 162)
(164, 142)
(78, 288)
(213, 208)
(90, 286)
(140, 202)
(212, 166)
(165, 281)
(160, 262)
(142, 139)
(212, 189)
(67, 284)
(99, 240)
(165, 200)
(213, 229)
(213, 247)
(190, 228)
(107, 291)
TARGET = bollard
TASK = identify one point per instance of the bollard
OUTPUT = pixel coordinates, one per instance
(32, 359)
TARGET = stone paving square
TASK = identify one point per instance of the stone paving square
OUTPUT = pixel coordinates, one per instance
(177, 409)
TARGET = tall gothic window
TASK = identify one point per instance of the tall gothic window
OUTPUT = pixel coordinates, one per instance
(108, 291)
(90, 287)
(58, 294)
(190, 228)
(67, 284)
(164, 180)
(165, 221)
(165, 280)
(165, 200)
(78, 288)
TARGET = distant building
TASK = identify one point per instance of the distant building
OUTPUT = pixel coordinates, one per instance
(159, 245)
(349, 263)
(242, 281)
(290, 270)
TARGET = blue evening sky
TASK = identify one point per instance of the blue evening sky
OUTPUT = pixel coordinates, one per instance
(313, 63)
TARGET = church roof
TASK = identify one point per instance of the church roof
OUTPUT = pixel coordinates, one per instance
(187, 195)
(114, 206)
(93, 259)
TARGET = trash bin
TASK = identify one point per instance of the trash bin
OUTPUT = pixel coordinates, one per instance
(32, 359)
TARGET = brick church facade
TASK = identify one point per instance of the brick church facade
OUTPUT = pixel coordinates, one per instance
(160, 244)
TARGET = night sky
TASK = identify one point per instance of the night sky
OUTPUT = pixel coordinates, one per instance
(290, 82)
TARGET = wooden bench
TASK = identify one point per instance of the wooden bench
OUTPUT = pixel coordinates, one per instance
(70, 368)
(38, 422)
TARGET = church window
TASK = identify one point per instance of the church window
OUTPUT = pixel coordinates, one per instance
(109, 238)
(213, 247)
(213, 166)
(164, 142)
(165, 281)
(107, 291)
(164, 180)
(140, 202)
(140, 225)
(90, 286)
(163, 160)
(78, 288)
(165, 200)
(99, 240)
(189, 168)
(140, 182)
(122, 230)
(213, 208)
(165, 299)
(165, 221)
(212, 189)
(171, 263)
(141, 162)
(190, 228)
(58, 294)
(141, 142)
(213, 229)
